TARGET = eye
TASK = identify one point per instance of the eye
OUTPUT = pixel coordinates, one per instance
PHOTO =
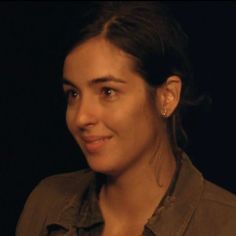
(108, 92)
(70, 94)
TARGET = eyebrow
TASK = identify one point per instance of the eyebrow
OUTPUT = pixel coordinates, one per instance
(102, 79)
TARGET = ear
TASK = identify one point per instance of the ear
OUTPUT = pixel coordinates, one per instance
(169, 95)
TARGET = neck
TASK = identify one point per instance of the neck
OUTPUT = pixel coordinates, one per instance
(137, 192)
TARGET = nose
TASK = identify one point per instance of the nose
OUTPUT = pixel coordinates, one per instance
(86, 114)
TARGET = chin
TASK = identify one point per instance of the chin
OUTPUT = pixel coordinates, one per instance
(103, 167)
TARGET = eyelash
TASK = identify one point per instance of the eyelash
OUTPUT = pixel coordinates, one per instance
(104, 91)
(70, 93)
(107, 92)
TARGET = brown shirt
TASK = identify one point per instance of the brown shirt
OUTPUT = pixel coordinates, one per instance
(66, 205)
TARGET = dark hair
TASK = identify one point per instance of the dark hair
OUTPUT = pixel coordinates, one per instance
(148, 32)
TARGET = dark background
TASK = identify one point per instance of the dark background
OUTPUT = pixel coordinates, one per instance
(35, 142)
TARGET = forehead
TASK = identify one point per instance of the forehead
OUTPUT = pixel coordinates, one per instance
(97, 57)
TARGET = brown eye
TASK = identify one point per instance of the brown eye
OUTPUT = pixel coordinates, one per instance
(108, 92)
(71, 94)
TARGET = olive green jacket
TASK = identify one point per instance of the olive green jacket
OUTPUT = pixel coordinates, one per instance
(66, 205)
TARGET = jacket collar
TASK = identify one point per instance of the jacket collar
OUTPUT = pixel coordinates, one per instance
(171, 218)
(174, 215)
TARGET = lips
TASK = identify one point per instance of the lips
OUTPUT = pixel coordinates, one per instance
(95, 143)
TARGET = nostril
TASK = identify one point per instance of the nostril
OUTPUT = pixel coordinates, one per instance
(86, 127)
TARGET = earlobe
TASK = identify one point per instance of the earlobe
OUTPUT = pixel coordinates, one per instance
(169, 95)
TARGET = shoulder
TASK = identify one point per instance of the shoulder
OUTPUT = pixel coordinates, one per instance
(214, 208)
(60, 186)
(49, 196)
(218, 202)
(216, 212)
(67, 183)
(214, 194)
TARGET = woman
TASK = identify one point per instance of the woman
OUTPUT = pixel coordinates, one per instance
(126, 80)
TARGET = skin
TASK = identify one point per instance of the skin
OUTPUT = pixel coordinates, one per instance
(138, 152)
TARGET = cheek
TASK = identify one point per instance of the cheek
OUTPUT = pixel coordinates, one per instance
(133, 119)
(69, 120)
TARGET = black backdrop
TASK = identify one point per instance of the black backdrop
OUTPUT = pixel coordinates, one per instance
(35, 142)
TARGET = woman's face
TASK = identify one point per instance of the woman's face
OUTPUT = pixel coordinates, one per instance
(109, 111)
